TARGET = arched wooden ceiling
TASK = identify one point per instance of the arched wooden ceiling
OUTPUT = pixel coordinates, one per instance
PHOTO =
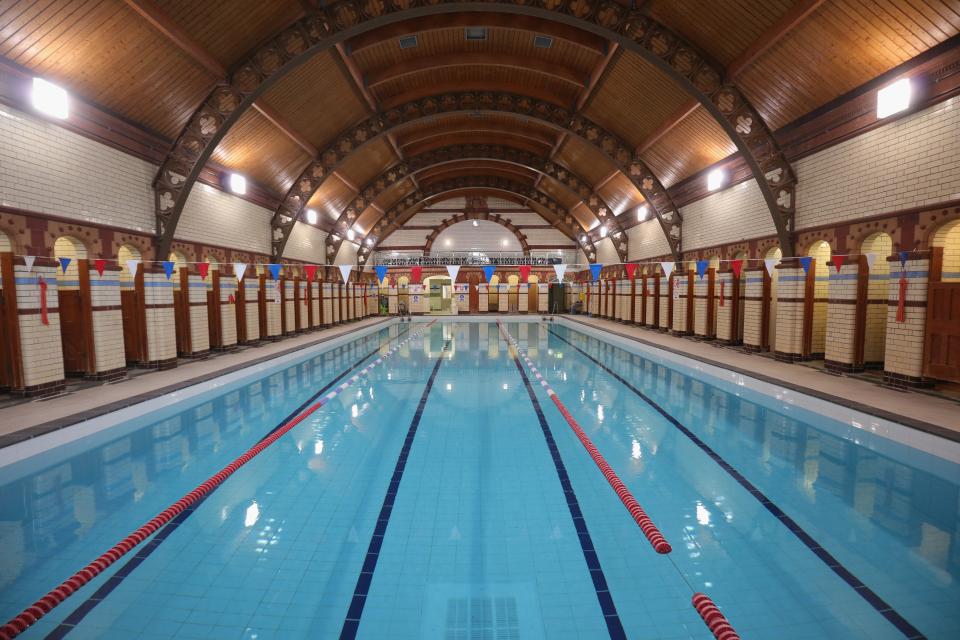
(154, 62)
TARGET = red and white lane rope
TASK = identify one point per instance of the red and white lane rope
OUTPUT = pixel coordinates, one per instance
(717, 623)
(68, 587)
(640, 516)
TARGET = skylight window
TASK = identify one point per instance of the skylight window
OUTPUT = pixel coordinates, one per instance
(542, 42)
(475, 33)
(642, 213)
(50, 99)
(312, 216)
(237, 184)
(408, 42)
(894, 98)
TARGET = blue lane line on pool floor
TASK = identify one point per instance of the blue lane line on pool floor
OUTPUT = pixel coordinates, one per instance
(871, 597)
(604, 597)
(78, 614)
(351, 624)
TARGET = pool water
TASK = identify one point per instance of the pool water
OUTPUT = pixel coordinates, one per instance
(443, 495)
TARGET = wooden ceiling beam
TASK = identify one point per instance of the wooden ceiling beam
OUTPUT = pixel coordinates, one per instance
(534, 25)
(163, 23)
(485, 131)
(596, 76)
(501, 60)
(357, 77)
(285, 127)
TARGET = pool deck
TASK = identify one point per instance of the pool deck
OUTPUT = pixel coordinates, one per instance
(928, 413)
(30, 419)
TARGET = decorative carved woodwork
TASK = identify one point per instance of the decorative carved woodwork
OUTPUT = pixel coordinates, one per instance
(333, 22)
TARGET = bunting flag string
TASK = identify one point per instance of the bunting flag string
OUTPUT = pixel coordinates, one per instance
(452, 271)
(274, 269)
(903, 258)
(871, 257)
(381, 272)
(132, 267)
(415, 273)
(204, 269)
(631, 268)
(43, 300)
(488, 271)
(770, 263)
(667, 268)
(311, 270)
(595, 270)
(239, 268)
(28, 261)
(100, 264)
(345, 270)
(838, 262)
(560, 269)
(168, 268)
(64, 263)
(737, 267)
(524, 272)
(805, 262)
(702, 268)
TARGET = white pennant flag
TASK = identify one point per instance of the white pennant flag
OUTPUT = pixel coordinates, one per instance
(239, 268)
(132, 267)
(345, 270)
(28, 260)
(560, 269)
(453, 270)
(667, 268)
(870, 259)
(770, 263)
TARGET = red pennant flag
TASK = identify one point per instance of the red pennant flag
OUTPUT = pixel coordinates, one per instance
(721, 292)
(204, 269)
(415, 273)
(902, 299)
(231, 298)
(311, 270)
(630, 267)
(524, 272)
(838, 262)
(43, 301)
(99, 264)
(737, 266)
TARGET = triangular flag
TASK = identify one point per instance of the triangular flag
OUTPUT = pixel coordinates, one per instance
(239, 268)
(488, 271)
(168, 268)
(64, 263)
(204, 269)
(311, 270)
(631, 267)
(381, 272)
(737, 267)
(99, 264)
(870, 259)
(132, 266)
(415, 273)
(770, 263)
(560, 269)
(28, 261)
(702, 267)
(595, 270)
(838, 262)
(667, 268)
(345, 270)
(274, 271)
(903, 258)
(453, 270)
(524, 272)
(805, 263)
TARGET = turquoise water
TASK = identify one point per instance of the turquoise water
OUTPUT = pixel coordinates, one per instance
(441, 497)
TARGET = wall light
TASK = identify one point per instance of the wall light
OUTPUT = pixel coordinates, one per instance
(583, 239)
(894, 98)
(351, 235)
(504, 242)
(369, 242)
(642, 213)
(476, 224)
(312, 216)
(603, 232)
(237, 184)
(715, 179)
(50, 99)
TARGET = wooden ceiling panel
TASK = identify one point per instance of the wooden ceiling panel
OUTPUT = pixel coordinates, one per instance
(330, 200)
(694, 144)
(588, 163)
(634, 98)
(106, 53)
(368, 163)
(257, 149)
(559, 193)
(620, 194)
(842, 45)
(475, 169)
(318, 99)
(229, 29)
(733, 25)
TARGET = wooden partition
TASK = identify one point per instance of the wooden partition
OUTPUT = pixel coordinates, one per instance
(76, 324)
(942, 335)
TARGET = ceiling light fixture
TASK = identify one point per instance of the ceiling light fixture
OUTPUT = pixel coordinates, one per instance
(351, 235)
(408, 42)
(237, 184)
(894, 98)
(603, 232)
(50, 99)
(312, 216)
(715, 179)
(476, 224)
(642, 213)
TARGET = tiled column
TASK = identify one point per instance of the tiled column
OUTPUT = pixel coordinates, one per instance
(251, 303)
(160, 323)
(875, 323)
(794, 310)
(821, 295)
(483, 298)
(349, 296)
(727, 295)
(756, 283)
(903, 359)
(846, 311)
(704, 304)
(682, 303)
(41, 354)
(523, 299)
(595, 298)
(228, 310)
(199, 321)
(110, 361)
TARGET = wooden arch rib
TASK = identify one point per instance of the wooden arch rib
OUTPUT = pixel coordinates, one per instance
(473, 59)
(330, 23)
(476, 215)
(524, 107)
(396, 174)
(400, 212)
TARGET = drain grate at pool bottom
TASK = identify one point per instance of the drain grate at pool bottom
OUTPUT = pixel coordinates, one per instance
(482, 618)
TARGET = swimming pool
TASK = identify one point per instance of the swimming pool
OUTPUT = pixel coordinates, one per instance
(443, 494)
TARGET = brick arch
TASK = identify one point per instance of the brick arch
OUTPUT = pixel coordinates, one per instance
(329, 23)
(471, 215)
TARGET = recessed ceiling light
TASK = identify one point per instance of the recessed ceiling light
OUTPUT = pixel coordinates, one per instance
(894, 98)
(715, 179)
(237, 184)
(475, 33)
(50, 99)
(312, 216)
(542, 42)
(408, 42)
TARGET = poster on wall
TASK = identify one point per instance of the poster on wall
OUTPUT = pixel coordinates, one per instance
(415, 288)
(461, 288)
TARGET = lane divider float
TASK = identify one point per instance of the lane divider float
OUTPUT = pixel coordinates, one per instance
(717, 623)
(29, 616)
(649, 529)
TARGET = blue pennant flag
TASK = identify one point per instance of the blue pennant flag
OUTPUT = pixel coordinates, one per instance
(168, 268)
(903, 258)
(595, 270)
(381, 272)
(274, 271)
(702, 267)
(64, 263)
(488, 271)
(805, 263)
